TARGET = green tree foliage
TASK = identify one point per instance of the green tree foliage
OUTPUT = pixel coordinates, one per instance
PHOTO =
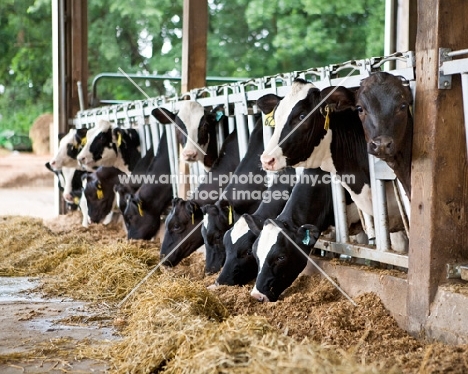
(25, 62)
(246, 38)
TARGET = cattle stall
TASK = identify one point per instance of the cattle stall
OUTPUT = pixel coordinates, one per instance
(239, 102)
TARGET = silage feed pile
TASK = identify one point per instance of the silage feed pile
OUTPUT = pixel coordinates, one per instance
(173, 324)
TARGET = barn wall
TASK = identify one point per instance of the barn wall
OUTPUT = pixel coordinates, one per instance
(439, 171)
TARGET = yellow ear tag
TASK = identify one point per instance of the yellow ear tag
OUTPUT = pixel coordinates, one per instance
(270, 119)
(327, 118)
(99, 192)
(411, 110)
(83, 141)
(119, 139)
(193, 219)
(140, 209)
(230, 215)
(76, 200)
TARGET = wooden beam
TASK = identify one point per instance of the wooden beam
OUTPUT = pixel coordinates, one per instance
(194, 36)
(79, 54)
(439, 171)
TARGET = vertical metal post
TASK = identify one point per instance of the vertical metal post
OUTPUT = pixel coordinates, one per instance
(339, 210)
(464, 81)
(379, 205)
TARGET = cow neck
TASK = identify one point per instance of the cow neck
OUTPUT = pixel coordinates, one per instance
(309, 195)
(225, 164)
(250, 164)
(158, 195)
(275, 206)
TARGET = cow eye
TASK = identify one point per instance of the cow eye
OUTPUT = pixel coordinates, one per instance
(403, 107)
(302, 116)
(280, 258)
(249, 252)
(359, 109)
(176, 227)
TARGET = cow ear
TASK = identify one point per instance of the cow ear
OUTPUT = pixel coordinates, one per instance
(164, 116)
(307, 235)
(341, 97)
(117, 136)
(218, 113)
(255, 224)
(268, 102)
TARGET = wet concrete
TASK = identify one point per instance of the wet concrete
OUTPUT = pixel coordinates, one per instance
(27, 319)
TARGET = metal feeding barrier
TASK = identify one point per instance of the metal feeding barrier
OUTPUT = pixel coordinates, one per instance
(239, 102)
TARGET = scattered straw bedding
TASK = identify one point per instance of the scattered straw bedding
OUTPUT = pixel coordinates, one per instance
(174, 324)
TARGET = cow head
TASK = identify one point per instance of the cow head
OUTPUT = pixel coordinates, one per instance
(240, 266)
(68, 149)
(302, 136)
(217, 219)
(198, 125)
(383, 102)
(100, 148)
(281, 253)
(99, 192)
(182, 236)
(139, 220)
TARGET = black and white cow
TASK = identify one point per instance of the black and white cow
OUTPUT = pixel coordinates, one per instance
(183, 233)
(109, 145)
(99, 193)
(284, 243)
(243, 194)
(302, 137)
(240, 266)
(200, 127)
(316, 128)
(65, 165)
(383, 102)
(69, 146)
(142, 209)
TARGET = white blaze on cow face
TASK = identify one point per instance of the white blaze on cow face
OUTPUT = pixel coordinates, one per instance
(267, 239)
(273, 158)
(190, 114)
(108, 156)
(61, 158)
(239, 229)
(321, 156)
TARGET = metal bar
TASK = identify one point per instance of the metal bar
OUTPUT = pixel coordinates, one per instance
(452, 67)
(380, 209)
(464, 80)
(458, 53)
(339, 210)
(401, 208)
(361, 251)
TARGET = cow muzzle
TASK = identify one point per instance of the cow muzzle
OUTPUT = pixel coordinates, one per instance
(189, 155)
(382, 147)
(257, 295)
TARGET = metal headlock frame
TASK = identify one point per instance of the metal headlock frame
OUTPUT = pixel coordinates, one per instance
(239, 102)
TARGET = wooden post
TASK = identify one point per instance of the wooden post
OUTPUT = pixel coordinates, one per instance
(194, 37)
(439, 171)
(79, 54)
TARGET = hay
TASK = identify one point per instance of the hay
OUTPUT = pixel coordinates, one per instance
(173, 324)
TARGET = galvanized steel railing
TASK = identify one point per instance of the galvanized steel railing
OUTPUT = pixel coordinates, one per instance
(239, 102)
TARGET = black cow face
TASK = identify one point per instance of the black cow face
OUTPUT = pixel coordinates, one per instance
(99, 199)
(218, 218)
(183, 233)
(281, 253)
(139, 221)
(383, 103)
(240, 266)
